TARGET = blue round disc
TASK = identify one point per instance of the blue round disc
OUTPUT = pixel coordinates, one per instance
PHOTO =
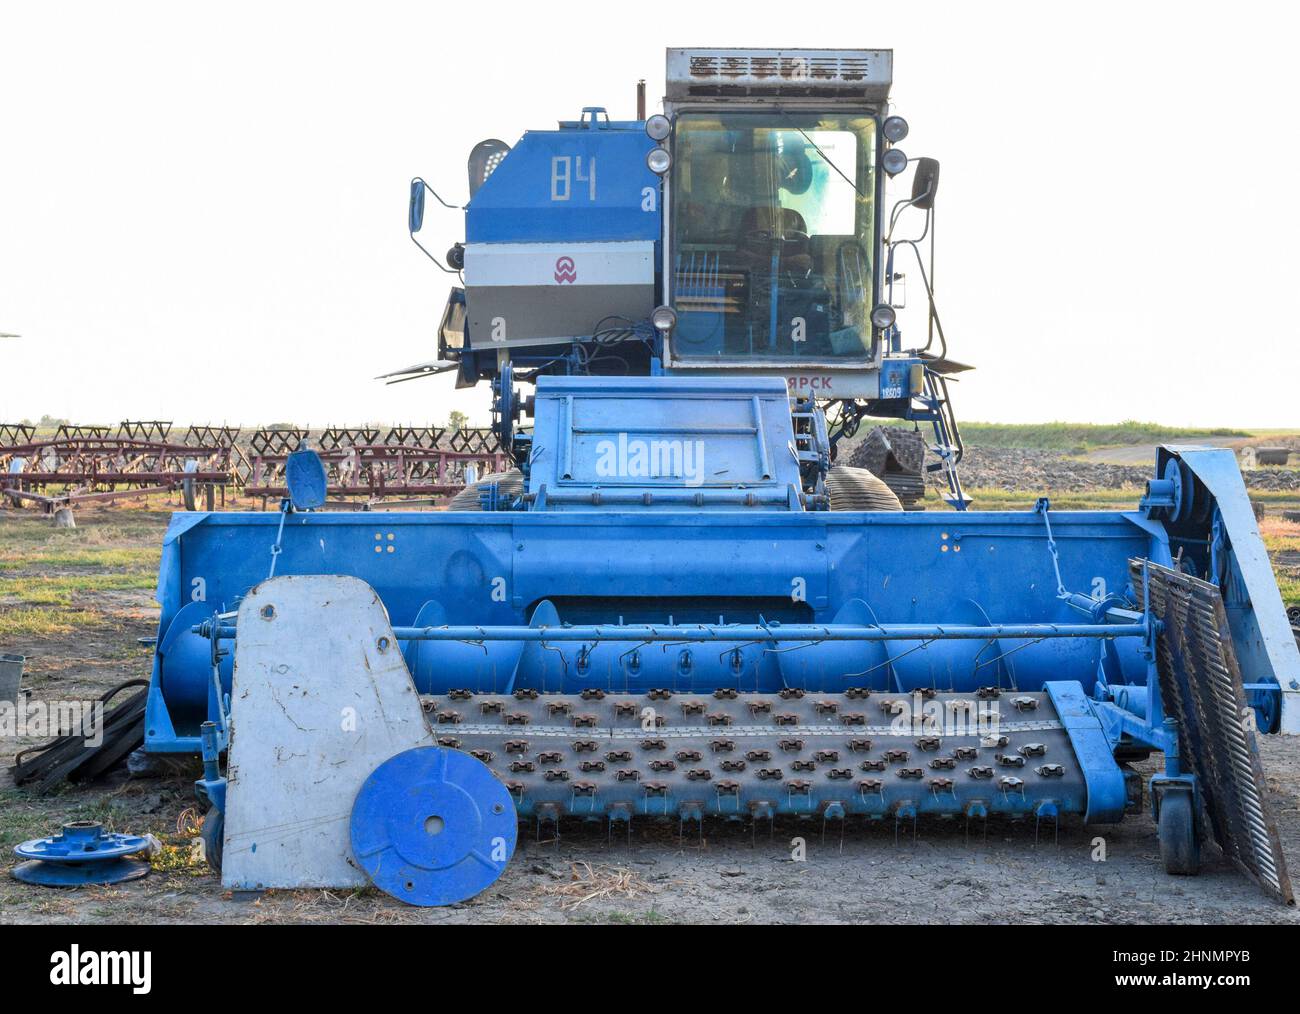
(433, 826)
(113, 871)
(82, 842)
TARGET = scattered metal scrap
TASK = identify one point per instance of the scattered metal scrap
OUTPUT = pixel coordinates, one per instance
(11, 677)
(1258, 457)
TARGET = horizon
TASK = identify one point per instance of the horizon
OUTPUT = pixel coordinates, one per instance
(1138, 426)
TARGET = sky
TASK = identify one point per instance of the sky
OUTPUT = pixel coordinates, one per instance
(202, 206)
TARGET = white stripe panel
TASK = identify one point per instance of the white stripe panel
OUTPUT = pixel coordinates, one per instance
(560, 264)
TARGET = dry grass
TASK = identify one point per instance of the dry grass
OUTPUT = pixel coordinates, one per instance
(46, 589)
(597, 883)
(1280, 536)
(1290, 589)
(104, 537)
(89, 556)
(52, 580)
(1073, 437)
(1090, 500)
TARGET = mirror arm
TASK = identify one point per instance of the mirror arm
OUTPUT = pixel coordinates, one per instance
(899, 207)
(929, 293)
(437, 196)
(415, 219)
(441, 266)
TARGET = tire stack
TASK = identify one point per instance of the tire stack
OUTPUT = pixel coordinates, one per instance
(897, 457)
(856, 489)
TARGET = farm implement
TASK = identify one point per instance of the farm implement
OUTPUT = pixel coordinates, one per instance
(675, 601)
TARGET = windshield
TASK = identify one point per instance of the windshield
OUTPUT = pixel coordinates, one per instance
(772, 234)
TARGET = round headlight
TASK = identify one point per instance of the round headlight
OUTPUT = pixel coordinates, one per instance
(883, 317)
(894, 161)
(659, 127)
(658, 160)
(894, 128)
(664, 318)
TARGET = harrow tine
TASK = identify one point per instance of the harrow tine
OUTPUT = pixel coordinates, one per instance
(841, 821)
(899, 816)
(1056, 827)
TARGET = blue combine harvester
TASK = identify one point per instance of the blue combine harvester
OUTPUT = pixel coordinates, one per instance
(680, 604)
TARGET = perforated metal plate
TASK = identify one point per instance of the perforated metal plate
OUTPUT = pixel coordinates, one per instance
(1200, 683)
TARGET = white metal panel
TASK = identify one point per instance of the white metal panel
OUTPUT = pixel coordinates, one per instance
(560, 264)
(321, 697)
(740, 73)
(860, 381)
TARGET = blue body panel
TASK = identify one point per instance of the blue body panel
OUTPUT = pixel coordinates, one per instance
(498, 568)
(1106, 796)
(756, 570)
(657, 443)
(544, 191)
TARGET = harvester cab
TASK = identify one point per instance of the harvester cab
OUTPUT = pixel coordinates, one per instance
(679, 605)
(741, 233)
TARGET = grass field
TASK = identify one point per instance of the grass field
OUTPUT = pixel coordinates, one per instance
(50, 577)
(1076, 438)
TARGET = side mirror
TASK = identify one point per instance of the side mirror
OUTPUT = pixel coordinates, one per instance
(925, 183)
(415, 214)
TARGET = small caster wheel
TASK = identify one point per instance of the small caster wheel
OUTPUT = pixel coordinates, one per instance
(213, 835)
(1180, 847)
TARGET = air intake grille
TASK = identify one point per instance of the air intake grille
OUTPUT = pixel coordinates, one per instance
(1200, 683)
(714, 66)
(861, 74)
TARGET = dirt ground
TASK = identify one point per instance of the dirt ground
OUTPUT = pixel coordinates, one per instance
(75, 602)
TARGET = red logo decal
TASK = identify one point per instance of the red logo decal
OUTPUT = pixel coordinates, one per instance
(565, 270)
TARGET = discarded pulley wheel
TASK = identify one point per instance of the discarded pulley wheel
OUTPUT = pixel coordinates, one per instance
(82, 853)
(433, 826)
